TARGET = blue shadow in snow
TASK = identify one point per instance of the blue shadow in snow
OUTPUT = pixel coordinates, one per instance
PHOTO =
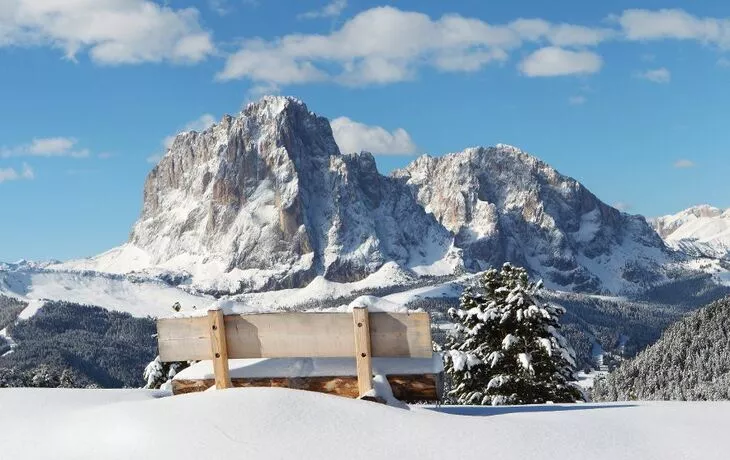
(485, 411)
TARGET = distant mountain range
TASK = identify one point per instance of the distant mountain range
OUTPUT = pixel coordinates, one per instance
(262, 212)
(265, 200)
(700, 231)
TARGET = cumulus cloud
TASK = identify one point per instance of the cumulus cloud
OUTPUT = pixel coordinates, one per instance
(645, 25)
(384, 45)
(553, 61)
(660, 75)
(200, 124)
(11, 174)
(577, 100)
(560, 34)
(110, 31)
(46, 147)
(219, 6)
(622, 206)
(684, 164)
(330, 10)
(352, 136)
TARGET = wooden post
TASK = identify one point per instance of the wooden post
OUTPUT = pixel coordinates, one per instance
(363, 358)
(219, 349)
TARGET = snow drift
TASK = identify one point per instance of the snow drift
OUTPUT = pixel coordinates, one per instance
(270, 423)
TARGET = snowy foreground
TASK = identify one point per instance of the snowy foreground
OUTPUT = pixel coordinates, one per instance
(270, 423)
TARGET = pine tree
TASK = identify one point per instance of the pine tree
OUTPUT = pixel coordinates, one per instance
(506, 348)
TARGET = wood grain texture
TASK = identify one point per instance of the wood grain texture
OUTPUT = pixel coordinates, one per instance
(408, 388)
(219, 349)
(295, 335)
(363, 358)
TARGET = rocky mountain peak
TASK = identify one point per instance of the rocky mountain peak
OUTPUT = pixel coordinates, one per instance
(268, 191)
(264, 200)
(503, 204)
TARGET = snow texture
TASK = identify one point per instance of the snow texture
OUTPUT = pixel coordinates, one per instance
(702, 231)
(274, 423)
(312, 367)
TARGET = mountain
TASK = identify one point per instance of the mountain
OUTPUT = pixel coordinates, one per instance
(502, 204)
(265, 201)
(702, 231)
(689, 362)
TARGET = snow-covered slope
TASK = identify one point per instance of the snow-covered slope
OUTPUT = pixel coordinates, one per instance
(505, 205)
(699, 231)
(265, 200)
(275, 423)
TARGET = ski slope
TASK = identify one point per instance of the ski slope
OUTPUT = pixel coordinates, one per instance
(275, 423)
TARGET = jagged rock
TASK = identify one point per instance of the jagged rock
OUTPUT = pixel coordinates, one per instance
(701, 231)
(265, 200)
(269, 191)
(505, 205)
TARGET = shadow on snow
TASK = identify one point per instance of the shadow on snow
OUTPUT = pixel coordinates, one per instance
(482, 411)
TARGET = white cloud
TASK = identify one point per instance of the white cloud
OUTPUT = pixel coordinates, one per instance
(330, 10)
(219, 6)
(111, 31)
(577, 100)
(622, 206)
(11, 174)
(660, 75)
(385, 45)
(677, 24)
(46, 147)
(560, 34)
(723, 62)
(154, 159)
(352, 136)
(553, 61)
(200, 124)
(684, 164)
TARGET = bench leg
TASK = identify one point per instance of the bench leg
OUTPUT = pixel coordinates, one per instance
(363, 356)
(219, 349)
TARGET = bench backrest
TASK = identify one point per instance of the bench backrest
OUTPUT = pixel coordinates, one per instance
(359, 334)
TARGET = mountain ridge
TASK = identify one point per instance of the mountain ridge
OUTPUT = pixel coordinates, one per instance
(265, 200)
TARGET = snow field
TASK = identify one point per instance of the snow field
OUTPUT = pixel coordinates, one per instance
(274, 423)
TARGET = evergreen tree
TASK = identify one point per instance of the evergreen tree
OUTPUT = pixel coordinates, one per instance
(158, 374)
(506, 348)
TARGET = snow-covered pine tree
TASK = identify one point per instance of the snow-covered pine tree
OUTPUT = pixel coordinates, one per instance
(506, 348)
(158, 374)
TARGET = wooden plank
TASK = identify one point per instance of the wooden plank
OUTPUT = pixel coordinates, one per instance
(408, 388)
(363, 355)
(294, 335)
(219, 349)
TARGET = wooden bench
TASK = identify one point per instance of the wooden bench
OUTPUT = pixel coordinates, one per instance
(360, 336)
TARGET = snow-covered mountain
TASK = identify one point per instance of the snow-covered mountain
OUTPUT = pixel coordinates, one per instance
(505, 205)
(264, 200)
(699, 231)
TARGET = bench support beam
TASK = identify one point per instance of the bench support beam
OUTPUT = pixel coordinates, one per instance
(219, 349)
(363, 354)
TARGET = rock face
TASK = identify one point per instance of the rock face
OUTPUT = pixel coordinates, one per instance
(502, 204)
(265, 200)
(268, 191)
(701, 231)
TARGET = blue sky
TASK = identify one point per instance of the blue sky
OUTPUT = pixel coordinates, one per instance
(630, 98)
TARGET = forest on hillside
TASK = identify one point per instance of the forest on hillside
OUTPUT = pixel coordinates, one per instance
(691, 361)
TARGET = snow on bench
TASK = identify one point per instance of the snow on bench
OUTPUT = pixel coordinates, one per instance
(335, 353)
